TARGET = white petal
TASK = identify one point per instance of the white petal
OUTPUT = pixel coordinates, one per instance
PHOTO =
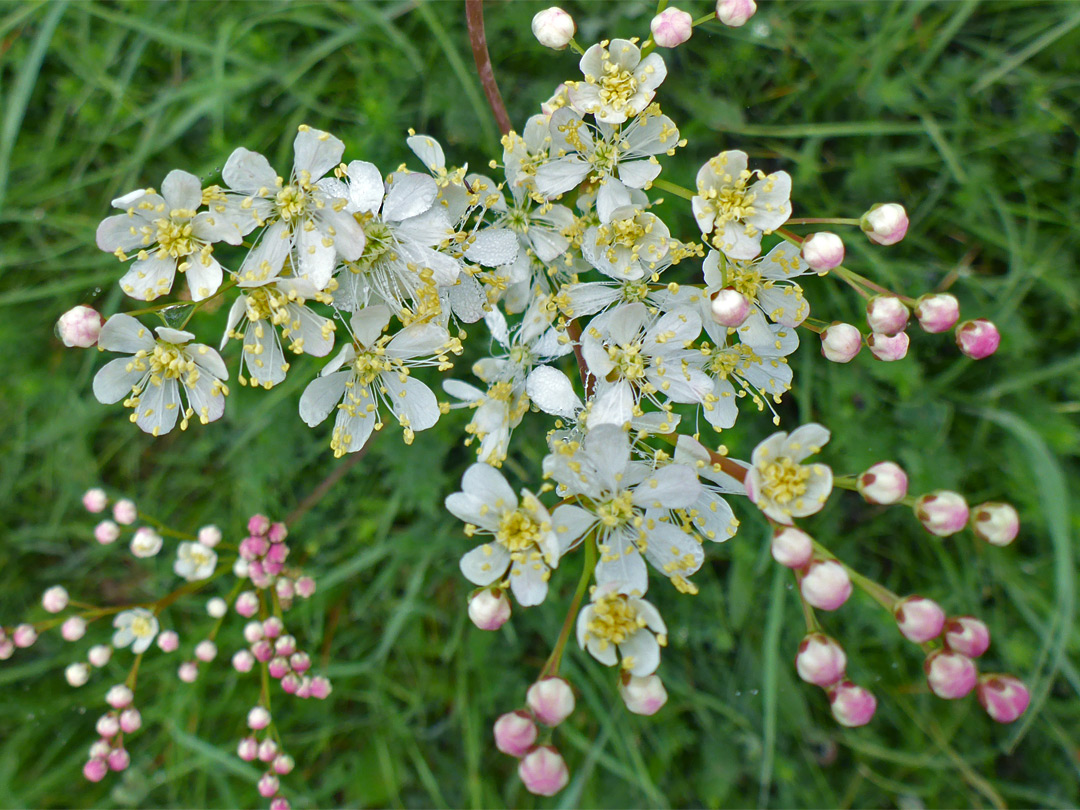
(428, 150)
(570, 523)
(493, 247)
(622, 563)
(316, 152)
(182, 190)
(354, 424)
(203, 275)
(321, 397)
(409, 195)
(644, 651)
(638, 173)
(114, 382)
(488, 485)
(348, 236)
(158, 407)
(471, 509)
(806, 440)
(149, 278)
(528, 582)
(265, 260)
(560, 175)
(120, 232)
(671, 487)
(613, 405)
(123, 333)
(552, 392)
(248, 172)
(672, 551)
(315, 258)
(368, 323)
(485, 564)
(266, 362)
(366, 187)
(412, 401)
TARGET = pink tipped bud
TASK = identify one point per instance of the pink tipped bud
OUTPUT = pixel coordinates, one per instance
(279, 803)
(729, 307)
(950, 674)
(99, 655)
(209, 536)
(553, 28)
(125, 512)
(978, 339)
(543, 771)
(919, 619)
(515, 733)
(300, 662)
(107, 725)
(840, 342)
(130, 721)
(188, 672)
(146, 543)
(243, 661)
(248, 749)
(671, 27)
(823, 251)
(73, 628)
(253, 632)
(286, 645)
(267, 750)
(851, 705)
(258, 524)
(77, 674)
(942, 512)
(247, 604)
(169, 641)
(7, 649)
(321, 687)
(258, 718)
(106, 532)
(119, 696)
(820, 660)
(278, 667)
(826, 585)
(283, 764)
(95, 769)
(886, 314)
(937, 313)
(290, 683)
(305, 587)
(792, 547)
(268, 785)
(551, 700)
(277, 532)
(889, 348)
(118, 759)
(24, 636)
(95, 500)
(884, 483)
(273, 627)
(1004, 697)
(206, 650)
(100, 749)
(967, 636)
(642, 695)
(489, 609)
(263, 650)
(735, 13)
(996, 523)
(885, 223)
(79, 327)
(285, 589)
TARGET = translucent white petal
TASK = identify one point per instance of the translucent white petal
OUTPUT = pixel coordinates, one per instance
(158, 408)
(570, 523)
(484, 482)
(552, 392)
(203, 275)
(181, 190)
(315, 259)
(672, 487)
(120, 232)
(149, 278)
(412, 401)
(321, 397)
(428, 150)
(485, 564)
(366, 187)
(528, 581)
(123, 333)
(409, 195)
(622, 563)
(493, 247)
(265, 260)
(643, 650)
(248, 172)
(316, 152)
(114, 381)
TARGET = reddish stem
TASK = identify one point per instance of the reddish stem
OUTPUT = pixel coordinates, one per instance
(474, 16)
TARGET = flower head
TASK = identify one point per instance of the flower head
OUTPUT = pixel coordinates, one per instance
(618, 83)
(780, 484)
(194, 561)
(617, 621)
(136, 627)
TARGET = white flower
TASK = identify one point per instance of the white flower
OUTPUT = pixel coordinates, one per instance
(136, 627)
(781, 486)
(194, 561)
(618, 84)
(735, 212)
(628, 242)
(152, 377)
(376, 370)
(618, 619)
(146, 542)
(169, 234)
(766, 282)
(710, 514)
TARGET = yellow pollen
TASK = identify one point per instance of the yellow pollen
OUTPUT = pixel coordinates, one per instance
(628, 360)
(617, 86)
(785, 480)
(174, 238)
(617, 511)
(518, 531)
(141, 627)
(291, 202)
(614, 619)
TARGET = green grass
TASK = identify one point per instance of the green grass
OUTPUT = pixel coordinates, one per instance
(966, 112)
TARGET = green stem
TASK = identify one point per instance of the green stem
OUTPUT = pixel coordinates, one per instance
(822, 221)
(675, 189)
(552, 666)
(879, 593)
(704, 19)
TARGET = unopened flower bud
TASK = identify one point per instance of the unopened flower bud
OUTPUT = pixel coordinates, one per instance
(283, 764)
(735, 13)
(106, 532)
(107, 725)
(169, 641)
(950, 674)
(286, 645)
(515, 733)
(551, 700)
(7, 649)
(130, 721)
(671, 27)
(118, 759)
(792, 547)
(95, 500)
(996, 523)
(823, 251)
(119, 696)
(889, 347)
(55, 599)
(489, 609)
(978, 338)
(942, 512)
(99, 655)
(826, 585)
(188, 672)
(273, 627)
(730, 307)
(258, 524)
(247, 604)
(543, 771)
(24, 635)
(967, 636)
(79, 327)
(851, 705)
(125, 512)
(279, 803)
(263, 650)
(820, 660)
(73, 628)
(267, 750)
(840, 342)
(278, 667)
(95, 769)
(919, 619)
(937, 312)
(216, 607)
(1004, 697)
(209, 536)
(100, 748)
(553, 28)
(644, 695)
(240, 568)
(243, 661)
(884, 483)
(305, 587)
(247, 749)
(886, 314)
(285, 589)
(253, 632)
(206, 650)
(885, 223)
(146, 543)
(258, 718)
(321, 687)
(77, 674)
(268, 785)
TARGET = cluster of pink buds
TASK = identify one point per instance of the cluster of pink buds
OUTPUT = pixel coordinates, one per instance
(260, 746)
(271, 645)
(542, 769)
(824, 583)
(944, 513)
(822, 662)
(263, 552)
(108, 752)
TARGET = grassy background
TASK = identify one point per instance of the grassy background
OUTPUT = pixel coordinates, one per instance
(966, 112)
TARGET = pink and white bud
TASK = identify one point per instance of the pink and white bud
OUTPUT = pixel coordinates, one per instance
(258, 718)
(1004, 697)
(268, 785)
(671, 27)
(106, 532)
(643, 695)
(118, 759)
(553, 28)
(169, 641)
(283, 764)
(515, 733)
(206, 650)
(77, 674)
(967, 636)
(851, 704)
(942, 512)
(937, 312)
(146, 543)
(826, 585)
(820, 660)
(889, 348)
(119, 696)
(209, 536)
(823, 251)
(7, 649)
(950, 674)
(919, 619)
(886, 314)
(188, 672)
(73, 628)
(730, 307)
(305, 587)
(551, 700)
(79, 327)
(735, 13)
(258, 524)
(279, 803)
(840, 342)
(300, 662)
(125, 512)
(247, 749)
(95, 500)
(885, 223)
(100, 749)
(285, 589)
(277, 532)
(240, 568)
(107, 725)
(267, 750)
(543, 771)
(978, 338)
(253, 632)
(247, 604)
(95, 769)
(321, 687)
(489, 609)
(286, 645)
(792, 547)
(99, 655)
(24, 635)
(996, 523)
(243, 661)
(884, 483)
(278, 667)
(216, 607)
(130, 721)
(273, 627)
(263, 650)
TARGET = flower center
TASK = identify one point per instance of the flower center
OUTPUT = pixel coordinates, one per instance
(291, 202)
(747, 280)
(785, 480)
(614, 619)
(368, 365)
(628, 360)
(170, 362)
(175, 238)
(517, 531)
(141, 627)
(635, 291)
(732, 201)
(623, 232)
(617, 511)
(617, 86)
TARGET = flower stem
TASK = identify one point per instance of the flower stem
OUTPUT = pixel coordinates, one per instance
(677, 190)
(822, 221)
(474, 16)
(552, 666)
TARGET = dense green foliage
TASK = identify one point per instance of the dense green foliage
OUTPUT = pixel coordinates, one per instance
(966, 112)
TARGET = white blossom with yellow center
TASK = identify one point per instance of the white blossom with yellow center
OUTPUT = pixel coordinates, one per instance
(136, 627)
(194, 561)
(629, 243)
(780, 484)
(618, 620)
(618, 83)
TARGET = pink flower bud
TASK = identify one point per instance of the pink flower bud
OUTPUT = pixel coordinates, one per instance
(823, 251)
(885, 223)
(118, 759)
(99, 655)
(277, 532)
(95, 500)
(251, 548)
(268, 785)
(300, 662)
(79, 327)
(840, 342)
(305, 586)
(119, 696)
(553, 28)
(515, 733)
(258, 718)
(278, 667)
(247, 604)
(273, 627)
(851, 705)
(283, 764)
(279, 803)
(169, 641)
(24, 636)
(826, 585)
(285, 589)
(95, 769)
(884, 483)
(937, 312)
(996, 523)
(671, 27)
(73, 628)
(130, 721)
(889, 348)
(124, 512)
(243, 661)
(258, 524)
(107, 725)
(276, 555)
(792, 547)
(6, 649)
(188, 672)
(967, 636)
(146, 543)
(77, 674)
(304, 689)
(551, 700)
(489, 609)
(942, 512)
(248, 749)
(100, 749)
(978, 339)
(290, 683)
(321, 687)
(729, 307)
(543, 771)
(1004, 697)
(820, 660)
(735, 13)
(643, 695)
(106, 532)
(950, 674)
(209, 536)
(206, 650)
(286, 645)
(267, 750)
(263, 650)
(919, 619)
(886, 314)
(253, 632)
